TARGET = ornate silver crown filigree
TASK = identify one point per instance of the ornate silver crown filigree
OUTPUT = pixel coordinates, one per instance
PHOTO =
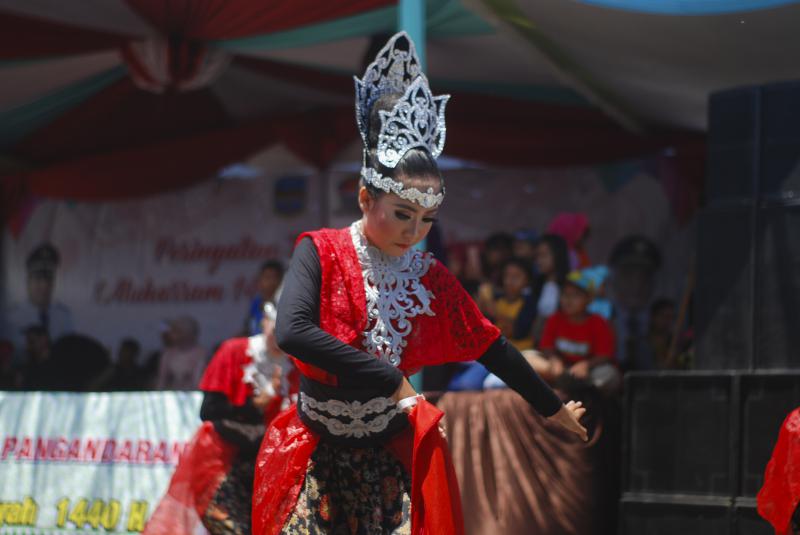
(393, 70)
(415, 121)
(427, 199)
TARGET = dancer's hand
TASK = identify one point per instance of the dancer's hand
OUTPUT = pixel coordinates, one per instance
(405, 390)
(443, 428)
(569, 415)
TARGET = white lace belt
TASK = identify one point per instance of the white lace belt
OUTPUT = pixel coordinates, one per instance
(356, 411)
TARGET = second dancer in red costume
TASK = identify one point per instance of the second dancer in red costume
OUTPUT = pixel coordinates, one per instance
(245, 386)
(361, 310)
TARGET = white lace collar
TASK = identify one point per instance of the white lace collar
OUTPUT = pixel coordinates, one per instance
(394, 295)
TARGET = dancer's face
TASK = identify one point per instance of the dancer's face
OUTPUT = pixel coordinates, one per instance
(394, 225)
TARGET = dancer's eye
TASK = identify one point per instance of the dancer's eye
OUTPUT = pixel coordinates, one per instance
(402, 216)
(430, 219)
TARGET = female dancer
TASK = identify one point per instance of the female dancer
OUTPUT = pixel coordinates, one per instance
(362, 452)
(245, 386)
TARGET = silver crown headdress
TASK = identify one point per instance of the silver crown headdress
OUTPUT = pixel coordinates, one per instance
(415, 121)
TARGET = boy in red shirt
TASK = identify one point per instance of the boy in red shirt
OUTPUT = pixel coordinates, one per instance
(573, 339)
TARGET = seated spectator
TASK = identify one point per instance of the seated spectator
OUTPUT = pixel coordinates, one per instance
(269, 281)
(470, 376)
(8, 379)
(497, 250)
(38, 372)
(574, 228)
(152, 362)
(77, 361)
(634, 263)
(574, 340)
(465, 264)
(659, 332)
(181, 364)
(552, 263)
(524, 245)
(125, 374)
(600, 305)
(514, 308)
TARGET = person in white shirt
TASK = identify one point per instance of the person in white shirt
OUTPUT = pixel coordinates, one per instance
(182, 364)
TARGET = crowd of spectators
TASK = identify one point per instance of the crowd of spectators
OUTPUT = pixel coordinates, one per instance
(571, 317)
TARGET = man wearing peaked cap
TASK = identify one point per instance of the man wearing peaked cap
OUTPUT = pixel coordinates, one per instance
(634, 262)
(636, 250)
(39, 309)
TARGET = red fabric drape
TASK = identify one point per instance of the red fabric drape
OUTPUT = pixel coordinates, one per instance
(146, 170)
(512, 132)
(227, 19)
(126, 142)
(508, 131)
(27, 38)
(122, 117)
(287, 72)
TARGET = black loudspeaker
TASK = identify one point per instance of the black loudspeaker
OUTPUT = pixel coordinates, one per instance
(780, 142)
(766, 400)
(747, 522)
(754, 144)
(658, 518)
(733, 144)
(695, 447)
(652, 517)
(677, 435)
(723, 294)
(777, 288)
(748, 261)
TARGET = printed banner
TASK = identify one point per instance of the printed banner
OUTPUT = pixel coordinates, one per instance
(123, 268)
(89, 463)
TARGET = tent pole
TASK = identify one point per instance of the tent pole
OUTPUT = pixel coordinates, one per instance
(507, 17)
(411, 18)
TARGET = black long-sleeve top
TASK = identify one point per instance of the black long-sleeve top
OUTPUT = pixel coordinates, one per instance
(298, 333)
